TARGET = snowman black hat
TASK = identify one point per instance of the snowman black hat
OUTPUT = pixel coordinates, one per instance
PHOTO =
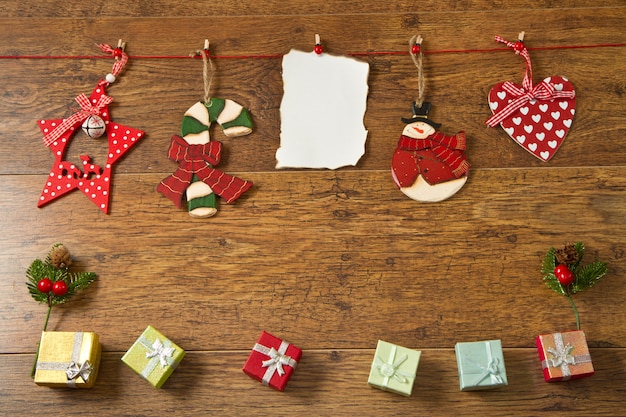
(420, 114)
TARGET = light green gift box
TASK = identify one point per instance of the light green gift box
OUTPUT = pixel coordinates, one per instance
(481, 365)
(154, 357)
(394, 368)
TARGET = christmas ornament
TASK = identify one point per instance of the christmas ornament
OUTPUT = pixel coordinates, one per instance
(196, 154)
(563, 274)
(51, 282)
(565, 355)
(427, 164)
(537, 117)
(94, 118)
(322, 110)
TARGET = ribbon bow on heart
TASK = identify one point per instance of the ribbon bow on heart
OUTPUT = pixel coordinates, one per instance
(197, 160)
(160, 351)
(528, 92)
(87, 109)
(74, 371)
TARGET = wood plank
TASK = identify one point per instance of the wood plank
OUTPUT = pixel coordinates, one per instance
(325, 383)
(330, 260)
(325, 257)
(165, 8)
(459, 96)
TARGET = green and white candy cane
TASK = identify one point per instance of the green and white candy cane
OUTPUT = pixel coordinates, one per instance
(234, 119)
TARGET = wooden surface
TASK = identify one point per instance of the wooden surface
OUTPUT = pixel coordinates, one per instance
(332, 261)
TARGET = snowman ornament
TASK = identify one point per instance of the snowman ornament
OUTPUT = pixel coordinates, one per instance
(428, 165)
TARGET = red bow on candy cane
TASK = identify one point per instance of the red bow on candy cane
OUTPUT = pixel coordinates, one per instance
(195, 159)
(528, 92)
(87, 109)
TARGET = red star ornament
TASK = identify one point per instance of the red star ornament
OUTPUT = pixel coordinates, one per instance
(94, 181)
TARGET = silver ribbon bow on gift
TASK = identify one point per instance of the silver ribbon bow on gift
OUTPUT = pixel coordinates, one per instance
(390, 369)
(277, 360)
(160, 351)
(74, 370)
(561, 356)
(491, 370)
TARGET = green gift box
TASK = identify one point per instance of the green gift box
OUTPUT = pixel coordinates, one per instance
(394, 368)
(154, 357)
(481, 365)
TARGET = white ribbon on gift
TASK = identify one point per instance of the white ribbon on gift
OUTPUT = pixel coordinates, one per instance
(73, 369)
(389, 369)
(160, 353)
(562, 357)
(491, 370)
(276, 361)
(76, 370)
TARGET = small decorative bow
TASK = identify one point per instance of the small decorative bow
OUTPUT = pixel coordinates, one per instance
(87, 109)
(390, 370)
(277, 360)
(562, 356)
(74, 371)
(491, 370)
(160, 351)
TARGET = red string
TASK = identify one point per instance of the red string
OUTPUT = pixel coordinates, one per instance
(276, 56)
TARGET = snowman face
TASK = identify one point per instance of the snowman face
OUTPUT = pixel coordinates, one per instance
(418, 130)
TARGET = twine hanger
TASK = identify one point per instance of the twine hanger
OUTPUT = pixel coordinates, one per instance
(416, 54)
(207, 69)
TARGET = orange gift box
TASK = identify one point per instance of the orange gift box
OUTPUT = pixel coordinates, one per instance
(564, 356)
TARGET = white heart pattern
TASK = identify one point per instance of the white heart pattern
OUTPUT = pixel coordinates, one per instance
(527, 119)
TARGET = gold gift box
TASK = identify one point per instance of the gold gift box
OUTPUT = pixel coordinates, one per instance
(68, 359)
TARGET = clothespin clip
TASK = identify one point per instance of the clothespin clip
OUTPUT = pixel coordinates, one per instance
(206, 48)
(318, 45)
(117, 52)
(519, 45)
(416, 48)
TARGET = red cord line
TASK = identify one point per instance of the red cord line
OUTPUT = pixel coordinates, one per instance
(276, 56)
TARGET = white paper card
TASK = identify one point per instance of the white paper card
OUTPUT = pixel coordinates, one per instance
(322, 110)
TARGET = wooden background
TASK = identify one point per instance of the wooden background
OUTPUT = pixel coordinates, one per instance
(331, 261)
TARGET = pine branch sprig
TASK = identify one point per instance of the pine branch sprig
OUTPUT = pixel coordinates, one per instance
(587, 276)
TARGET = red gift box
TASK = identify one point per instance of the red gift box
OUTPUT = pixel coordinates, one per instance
(272, 361)
(564, 356)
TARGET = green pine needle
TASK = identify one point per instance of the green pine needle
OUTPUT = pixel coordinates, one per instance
(585, 276)
(588, 275)
(39, 269)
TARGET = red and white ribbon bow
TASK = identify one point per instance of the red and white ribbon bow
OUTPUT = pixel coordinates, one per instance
(528, 92)
(87, 109)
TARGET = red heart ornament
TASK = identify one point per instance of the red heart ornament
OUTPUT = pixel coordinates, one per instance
(539, 126)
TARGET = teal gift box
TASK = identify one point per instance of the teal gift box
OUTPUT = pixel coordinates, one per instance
(394, 368)
(481, 365)
(153, 356)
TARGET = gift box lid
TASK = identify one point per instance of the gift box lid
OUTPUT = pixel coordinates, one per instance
(564, 356)
(480, 365)
(394, 368)
(272, 361)
(68, 359)
(153, 357)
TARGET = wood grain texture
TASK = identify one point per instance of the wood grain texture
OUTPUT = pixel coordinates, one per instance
(330, 260)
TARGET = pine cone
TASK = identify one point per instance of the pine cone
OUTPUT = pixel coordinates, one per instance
(568, 255)
(60, 257)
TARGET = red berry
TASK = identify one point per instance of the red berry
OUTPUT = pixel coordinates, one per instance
(416, 49)
(563, 274)
(519, 46)
(318, 49)
(44, 285)
(59, 288)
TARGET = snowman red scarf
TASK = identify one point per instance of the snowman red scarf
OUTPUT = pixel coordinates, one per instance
(536, 117)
